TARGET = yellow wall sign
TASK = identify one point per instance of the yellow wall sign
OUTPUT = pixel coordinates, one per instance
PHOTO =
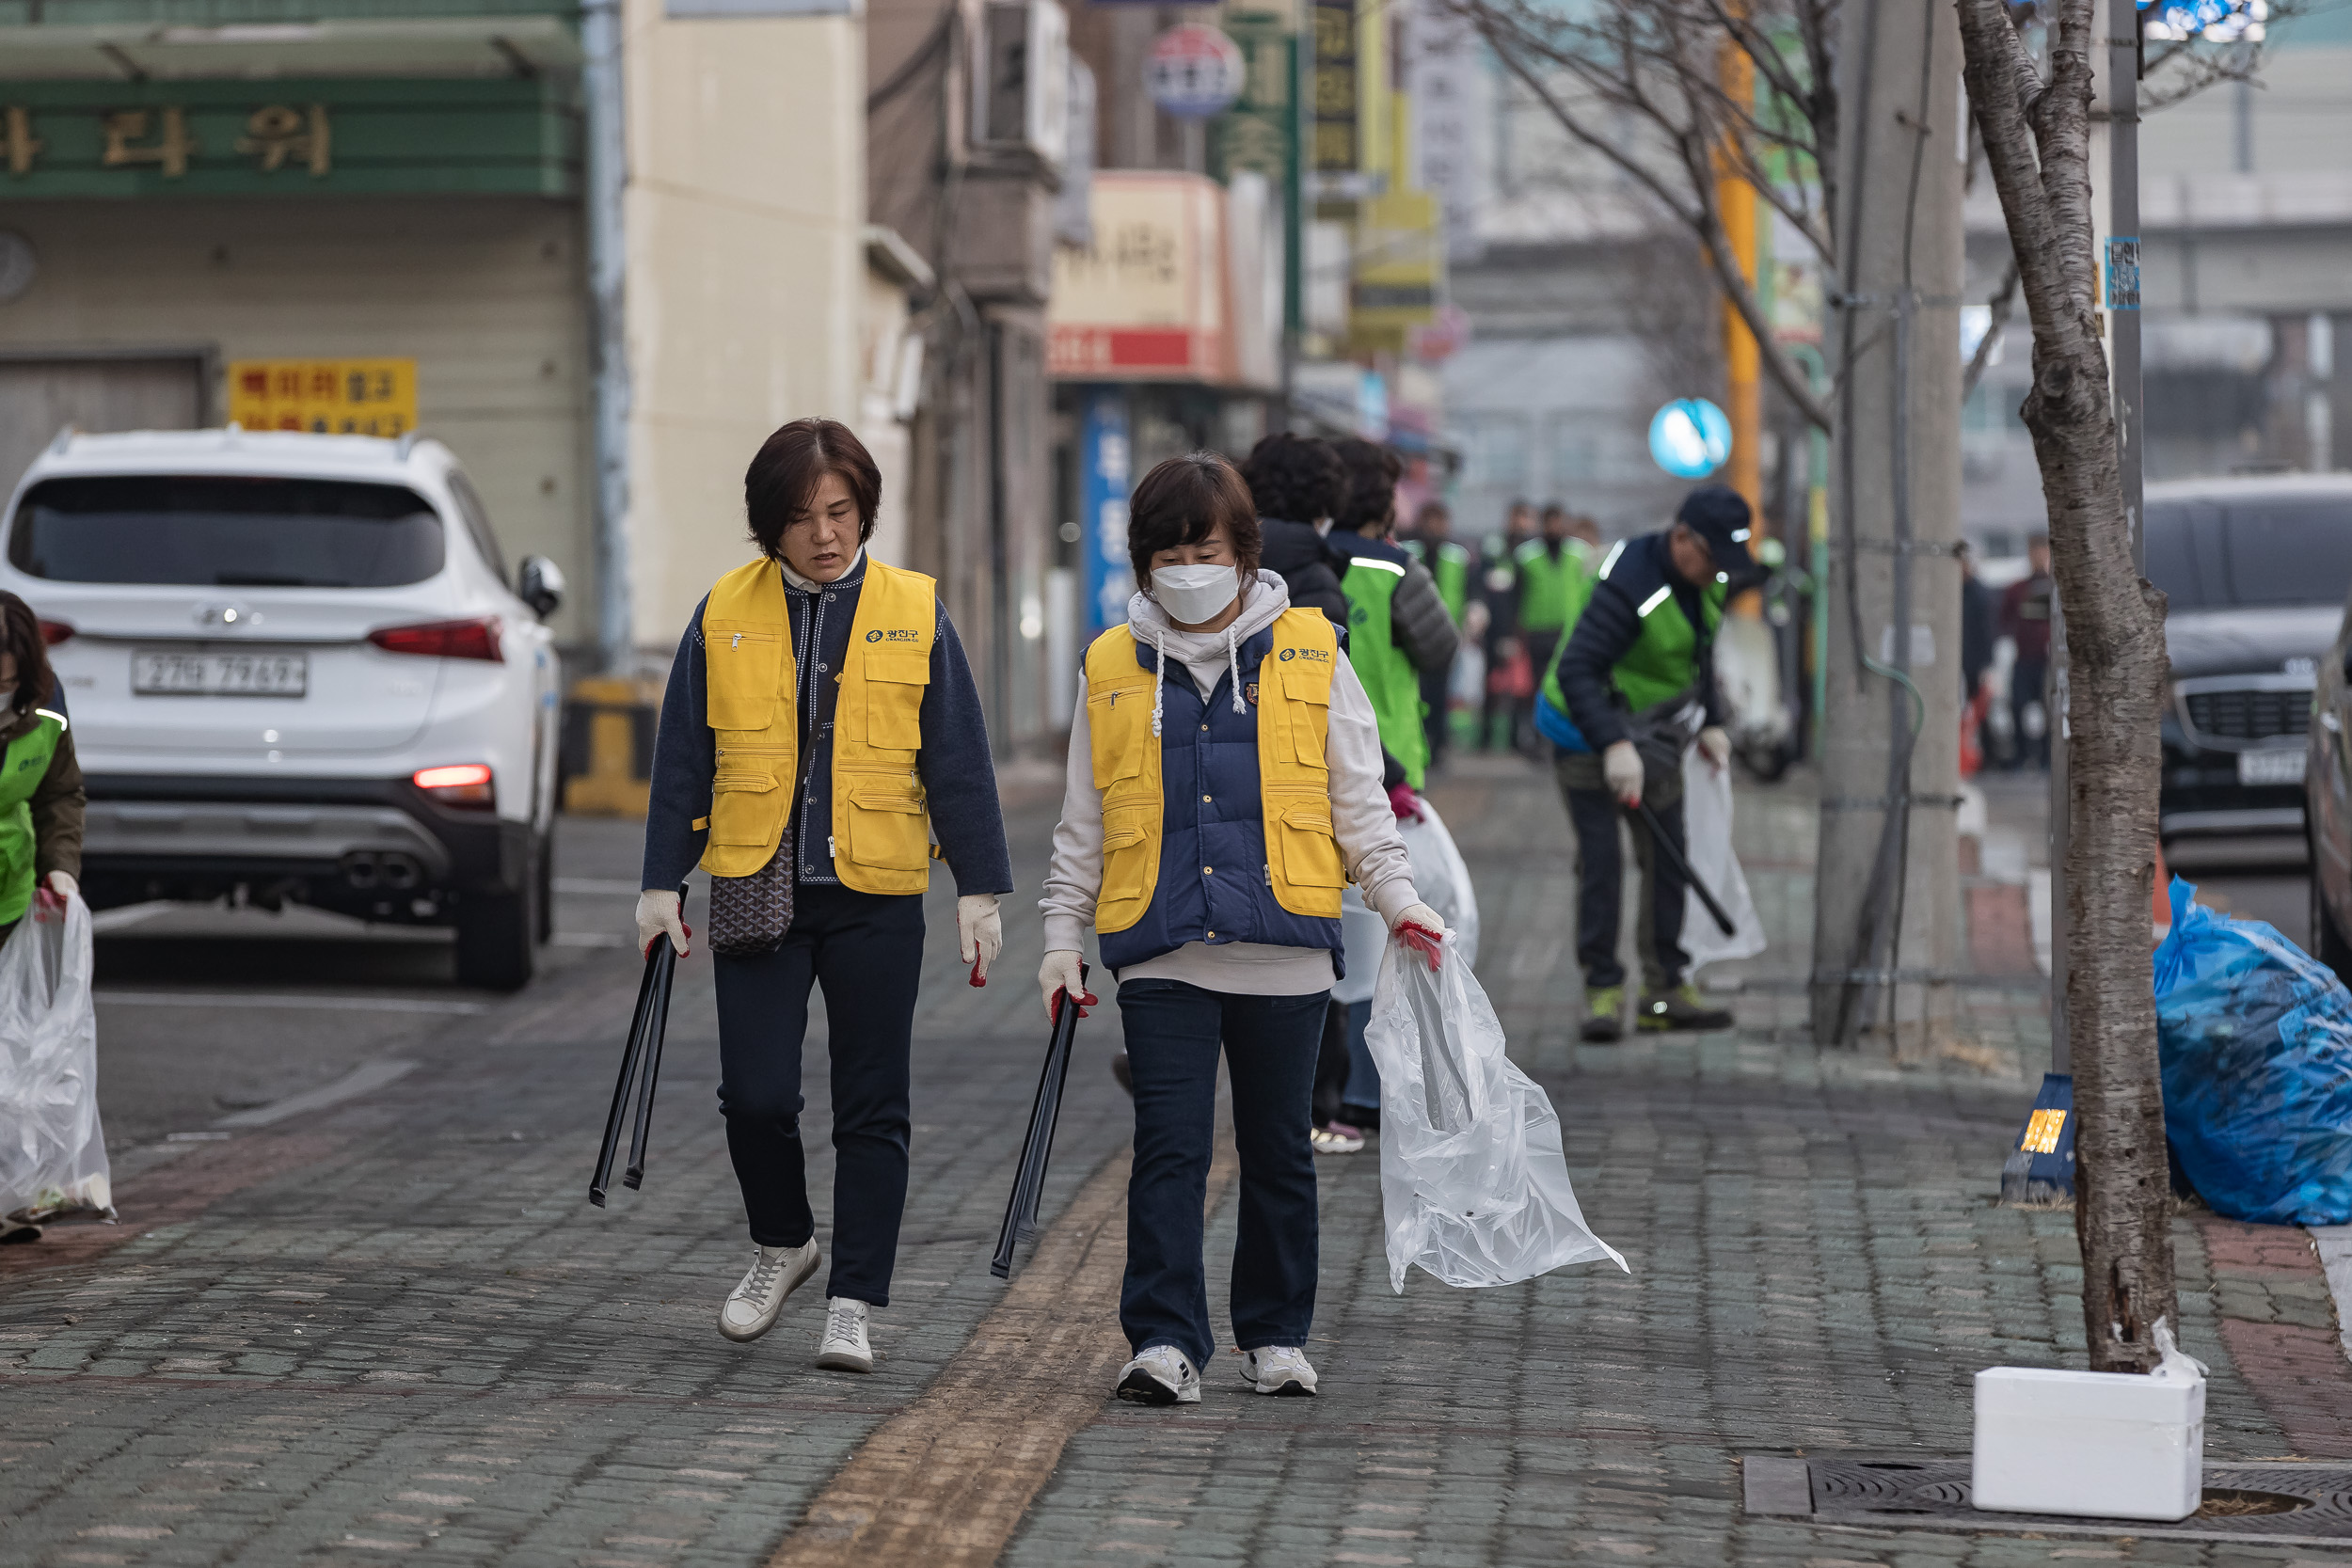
(335, 397)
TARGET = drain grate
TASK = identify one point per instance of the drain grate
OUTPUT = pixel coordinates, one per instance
(2292, 1504)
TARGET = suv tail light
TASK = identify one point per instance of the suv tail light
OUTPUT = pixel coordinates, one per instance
(54, 632)
(443, 639)
(463, 784)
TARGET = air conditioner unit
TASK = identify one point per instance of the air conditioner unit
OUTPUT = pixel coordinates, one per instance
(1019, 94)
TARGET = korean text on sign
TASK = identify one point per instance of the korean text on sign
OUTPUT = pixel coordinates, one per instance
(337, 396)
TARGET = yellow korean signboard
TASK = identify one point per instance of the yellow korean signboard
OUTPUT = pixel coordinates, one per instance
(334, 397)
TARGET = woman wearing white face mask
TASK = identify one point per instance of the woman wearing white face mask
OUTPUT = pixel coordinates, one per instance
(1224, 782)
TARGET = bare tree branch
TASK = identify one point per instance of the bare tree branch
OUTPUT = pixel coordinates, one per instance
(1659, 61)
(2000, 304)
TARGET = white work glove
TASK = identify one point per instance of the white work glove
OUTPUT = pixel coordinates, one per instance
(1059, 974)
(1421, 929)
(658, 916)
(979, 933)
(1621, 765)
(56, 891)
(1715, 746)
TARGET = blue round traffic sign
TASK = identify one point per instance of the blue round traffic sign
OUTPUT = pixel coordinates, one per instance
(1690, 437)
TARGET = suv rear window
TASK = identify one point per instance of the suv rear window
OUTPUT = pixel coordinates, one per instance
(2253, 552)
(226, 531)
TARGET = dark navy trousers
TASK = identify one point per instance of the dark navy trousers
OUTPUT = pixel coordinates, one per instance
(866, 950)
(1174, 1032)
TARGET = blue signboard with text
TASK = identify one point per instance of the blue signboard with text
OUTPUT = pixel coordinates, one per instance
(1106, 475)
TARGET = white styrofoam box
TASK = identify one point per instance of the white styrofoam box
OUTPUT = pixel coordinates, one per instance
(2095, 1445)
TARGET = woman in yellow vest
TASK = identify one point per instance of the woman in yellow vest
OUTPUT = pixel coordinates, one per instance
(821, 742)
(1224, 783)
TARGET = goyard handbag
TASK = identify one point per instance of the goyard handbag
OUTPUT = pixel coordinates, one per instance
(749, 915)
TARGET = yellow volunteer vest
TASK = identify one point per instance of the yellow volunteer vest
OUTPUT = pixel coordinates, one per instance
(881, 832)
(1295, 781)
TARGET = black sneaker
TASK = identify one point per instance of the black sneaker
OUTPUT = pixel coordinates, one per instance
(1604, 1008)
(1680, 1010)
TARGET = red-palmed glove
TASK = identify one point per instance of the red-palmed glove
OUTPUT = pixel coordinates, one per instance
(1423, 929)
(1059, 978)
(1406, 804)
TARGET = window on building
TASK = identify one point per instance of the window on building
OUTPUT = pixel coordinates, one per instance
(1499, 452)
(1575, 452)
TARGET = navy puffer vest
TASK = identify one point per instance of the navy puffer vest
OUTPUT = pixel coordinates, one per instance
(1214, 886)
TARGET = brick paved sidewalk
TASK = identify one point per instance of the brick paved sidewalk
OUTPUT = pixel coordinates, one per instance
(398, 1332)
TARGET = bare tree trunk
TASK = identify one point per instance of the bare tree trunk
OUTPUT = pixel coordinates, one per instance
(2037, 143)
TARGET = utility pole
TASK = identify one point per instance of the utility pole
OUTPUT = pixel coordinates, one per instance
(1735, 204)
(1887, 918)
(601, 79)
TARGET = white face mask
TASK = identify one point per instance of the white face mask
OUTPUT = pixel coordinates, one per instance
(1192, 594)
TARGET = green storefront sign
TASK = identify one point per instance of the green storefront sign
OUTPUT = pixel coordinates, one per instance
(289, 138)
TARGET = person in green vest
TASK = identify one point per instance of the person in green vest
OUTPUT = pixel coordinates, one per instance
(1449, 566)
(1498, 594)
(1398, 631)
(1553, 570)
(1636, 670)
(40, 792)
(41, 784)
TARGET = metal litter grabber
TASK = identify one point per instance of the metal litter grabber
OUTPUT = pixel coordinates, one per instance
(641, 1066)
(1682, 862)
(1021, 1208)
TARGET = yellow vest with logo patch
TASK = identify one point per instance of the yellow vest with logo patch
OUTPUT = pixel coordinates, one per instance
(880, 831)
(1303, 860)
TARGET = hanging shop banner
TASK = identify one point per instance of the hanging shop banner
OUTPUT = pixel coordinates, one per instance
(328, 397)
(1193, 71)
(1335, 148)
(1398, 254)
(1254, 135)
(1147, 300)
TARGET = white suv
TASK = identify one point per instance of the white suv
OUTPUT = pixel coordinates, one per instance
(295, 670)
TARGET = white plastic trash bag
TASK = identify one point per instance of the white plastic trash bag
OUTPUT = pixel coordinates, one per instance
(1442, 879)
(1472, 1176)
(53, 1155)
(1444, 884)
(1706, 833)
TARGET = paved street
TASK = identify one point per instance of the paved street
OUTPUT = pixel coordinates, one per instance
(390, 1327)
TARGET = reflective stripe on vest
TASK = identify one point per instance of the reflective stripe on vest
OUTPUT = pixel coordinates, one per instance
(1301, 864)
(881, 832)
(24, 765)
(1388, 677)
(1664, 658)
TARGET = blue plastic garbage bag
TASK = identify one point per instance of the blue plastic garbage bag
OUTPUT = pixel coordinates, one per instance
(2256, 1043)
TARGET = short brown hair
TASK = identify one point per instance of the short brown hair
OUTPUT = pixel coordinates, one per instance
(789, 466)
(1181, 501)
(20, 635)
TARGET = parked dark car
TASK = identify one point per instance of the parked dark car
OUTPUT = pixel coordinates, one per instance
(2328, 775)
(2256, 570)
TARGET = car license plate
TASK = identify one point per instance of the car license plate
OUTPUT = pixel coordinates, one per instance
(156, 673)
(2274, 764)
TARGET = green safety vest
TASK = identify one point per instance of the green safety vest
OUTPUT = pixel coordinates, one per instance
(25, 766)
(1450, 571)
(1663, 660)
(1390, 678)
(1550, 589)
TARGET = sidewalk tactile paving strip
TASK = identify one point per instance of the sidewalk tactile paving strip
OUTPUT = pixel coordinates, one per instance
(2278, 1504)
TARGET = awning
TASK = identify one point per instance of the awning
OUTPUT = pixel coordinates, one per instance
(456, 46)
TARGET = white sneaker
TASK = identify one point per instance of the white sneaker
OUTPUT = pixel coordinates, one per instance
(1162, 1374)
(1280, 1369)
(844, 1348)
(749, 1309)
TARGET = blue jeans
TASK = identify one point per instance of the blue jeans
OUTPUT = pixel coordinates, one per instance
(1174, 1034)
